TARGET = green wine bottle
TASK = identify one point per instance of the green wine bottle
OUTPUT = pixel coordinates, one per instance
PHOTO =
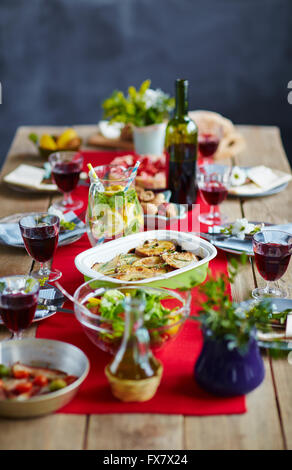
(181, 143)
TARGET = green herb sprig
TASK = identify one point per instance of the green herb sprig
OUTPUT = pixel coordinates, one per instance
(230, 321)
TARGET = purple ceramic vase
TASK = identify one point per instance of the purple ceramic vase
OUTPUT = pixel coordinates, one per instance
(228, 373)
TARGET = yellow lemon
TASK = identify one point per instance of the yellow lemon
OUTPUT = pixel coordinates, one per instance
(111, 190)
(107, 223)
(47, 142)
(65, 137)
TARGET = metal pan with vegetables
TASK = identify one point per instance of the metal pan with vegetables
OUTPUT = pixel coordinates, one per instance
(158, 258)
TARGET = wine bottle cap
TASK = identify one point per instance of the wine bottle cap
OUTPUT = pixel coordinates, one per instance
(181, 82)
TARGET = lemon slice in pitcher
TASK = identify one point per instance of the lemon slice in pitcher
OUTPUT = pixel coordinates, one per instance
(111, 190)
(107, 222)
(133, 219)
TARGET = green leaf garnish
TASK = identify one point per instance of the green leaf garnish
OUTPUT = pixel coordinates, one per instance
(34, 138)
(67, 225)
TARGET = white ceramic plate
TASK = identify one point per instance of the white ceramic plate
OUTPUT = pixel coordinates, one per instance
(263, 193)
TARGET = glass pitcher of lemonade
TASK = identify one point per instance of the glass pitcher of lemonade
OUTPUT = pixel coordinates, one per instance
(114, 209)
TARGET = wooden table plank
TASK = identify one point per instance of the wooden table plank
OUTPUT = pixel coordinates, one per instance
(135, 431)
(240, 431)
(155, 431)
(53, 432)
(274, 209)
(56, 431)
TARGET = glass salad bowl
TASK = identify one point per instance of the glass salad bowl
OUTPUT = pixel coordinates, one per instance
(102, 313)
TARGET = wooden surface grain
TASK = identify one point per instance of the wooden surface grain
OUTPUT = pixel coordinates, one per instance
(268, 421)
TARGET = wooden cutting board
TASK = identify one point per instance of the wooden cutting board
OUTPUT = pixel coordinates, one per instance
(98, 140)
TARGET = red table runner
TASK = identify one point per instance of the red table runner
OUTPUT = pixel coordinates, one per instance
(178, 392)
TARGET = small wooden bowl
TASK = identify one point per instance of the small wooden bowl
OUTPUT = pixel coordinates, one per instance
(134, 390)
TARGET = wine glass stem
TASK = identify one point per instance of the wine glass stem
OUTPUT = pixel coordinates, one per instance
(16, 335)
(67, 199)
(213, 212)
(267, 288)
(44, 269)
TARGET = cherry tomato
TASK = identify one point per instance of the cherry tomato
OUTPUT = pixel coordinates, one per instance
(20, 374)
(40, 380)
(23, 388)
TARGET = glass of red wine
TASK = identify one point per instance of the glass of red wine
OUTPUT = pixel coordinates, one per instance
(40, 233)
(272, 252)
(213, 182)
(18, 302)
(210, 135)
(66, 169)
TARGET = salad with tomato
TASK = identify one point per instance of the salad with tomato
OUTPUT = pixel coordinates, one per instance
(163, 315)
(21, 382)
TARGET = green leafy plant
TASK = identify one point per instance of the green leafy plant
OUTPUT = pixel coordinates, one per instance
(235, 323)
(141, 107)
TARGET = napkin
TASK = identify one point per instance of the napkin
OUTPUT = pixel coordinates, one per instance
(263, 179)
(30, 177)
(245, 246)
(10, 232)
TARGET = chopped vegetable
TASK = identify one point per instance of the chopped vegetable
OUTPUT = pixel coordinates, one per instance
(20, 382)
(22, 388)
(4, 371)
(156, 315)
(57, 384)
(40, 380)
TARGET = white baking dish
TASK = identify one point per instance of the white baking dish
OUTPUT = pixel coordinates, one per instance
(194, 273)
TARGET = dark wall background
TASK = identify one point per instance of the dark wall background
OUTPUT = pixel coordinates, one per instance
(60, 58)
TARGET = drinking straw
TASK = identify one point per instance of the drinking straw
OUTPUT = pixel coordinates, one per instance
(97, 180)
(132, 176)
(91, 170)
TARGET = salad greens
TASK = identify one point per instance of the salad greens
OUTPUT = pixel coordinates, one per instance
(111, 307)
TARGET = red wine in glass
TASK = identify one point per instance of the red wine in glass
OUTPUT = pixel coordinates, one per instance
(18, 302)
(66, 175)
(272, 251)
(208, 144)
(41, 242)
(213, 182)
(214, 193)
(272, 260)
(66, 169)
(17, 310)
(40, 233)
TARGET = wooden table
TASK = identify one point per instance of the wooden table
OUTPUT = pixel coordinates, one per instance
(268, 422)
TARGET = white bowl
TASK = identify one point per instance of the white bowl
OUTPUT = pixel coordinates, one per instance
(193, 274)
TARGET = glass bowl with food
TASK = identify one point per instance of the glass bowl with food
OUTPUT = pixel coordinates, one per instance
(101, 313)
